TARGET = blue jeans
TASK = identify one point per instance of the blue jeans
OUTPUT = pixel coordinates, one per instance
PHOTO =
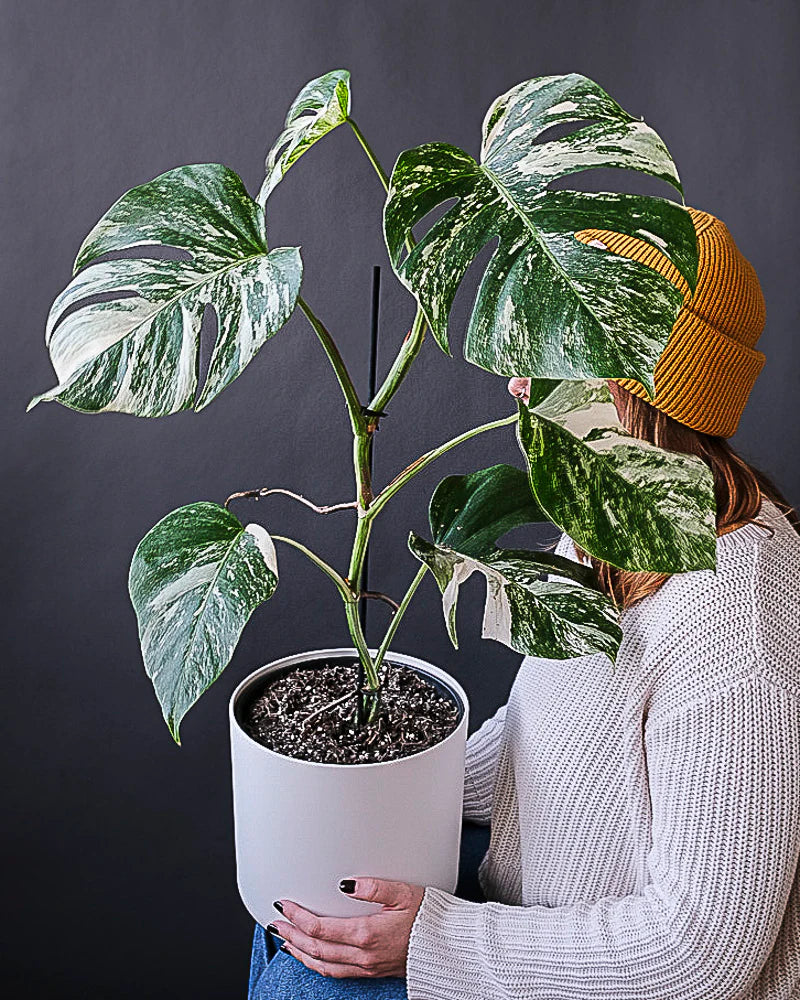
(275, 975)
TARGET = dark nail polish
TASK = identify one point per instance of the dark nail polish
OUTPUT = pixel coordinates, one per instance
(348, 885)
(273, 930)
(284, 948)
(278, 906)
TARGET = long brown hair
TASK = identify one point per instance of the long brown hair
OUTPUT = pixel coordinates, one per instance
(738, 487)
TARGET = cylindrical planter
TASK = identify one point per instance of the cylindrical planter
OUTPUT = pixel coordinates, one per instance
(301, 827)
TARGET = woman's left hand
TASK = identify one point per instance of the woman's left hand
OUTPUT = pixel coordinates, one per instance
(371, 945)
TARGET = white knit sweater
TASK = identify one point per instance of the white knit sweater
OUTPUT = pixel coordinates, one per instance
(645, 818)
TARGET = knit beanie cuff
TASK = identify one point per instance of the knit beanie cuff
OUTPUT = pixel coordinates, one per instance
(709, 364)
(704, 379)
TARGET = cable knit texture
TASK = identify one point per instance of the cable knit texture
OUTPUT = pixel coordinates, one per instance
(645, 817)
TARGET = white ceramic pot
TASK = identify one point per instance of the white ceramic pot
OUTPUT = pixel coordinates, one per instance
(301, 827)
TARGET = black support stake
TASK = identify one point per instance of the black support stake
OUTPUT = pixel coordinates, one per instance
(372, 389)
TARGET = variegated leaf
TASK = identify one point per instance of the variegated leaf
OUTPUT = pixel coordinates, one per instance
(557, 618)
(619, 498)
(548, 305)
(195, 579)
(320, 107)
(138, 351)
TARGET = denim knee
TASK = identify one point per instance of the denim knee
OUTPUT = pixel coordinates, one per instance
(285, 978)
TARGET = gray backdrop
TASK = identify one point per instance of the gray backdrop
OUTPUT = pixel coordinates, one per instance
(120, 879)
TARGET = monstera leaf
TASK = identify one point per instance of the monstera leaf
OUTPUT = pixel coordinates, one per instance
(548, 305)
(534, 616)
(621, 499)
(320, 107)
(195, 579)
(137, 352)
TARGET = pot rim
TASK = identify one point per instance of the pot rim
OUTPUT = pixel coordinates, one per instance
(404, 658)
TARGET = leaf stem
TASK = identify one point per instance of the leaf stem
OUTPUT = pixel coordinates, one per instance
(373, 159)
(401, 364)
(347, 594)
(384, 177)
(425, 460)
(398, 617)
(413, 341)
(338, 365)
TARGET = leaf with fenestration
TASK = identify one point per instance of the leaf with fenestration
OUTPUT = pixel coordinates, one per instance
(556, 618)
(548, 305)
(138, 351)
(195, 579)
(321, 106)
(619, 498)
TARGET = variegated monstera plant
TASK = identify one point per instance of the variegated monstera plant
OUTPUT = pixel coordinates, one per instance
(124, 336)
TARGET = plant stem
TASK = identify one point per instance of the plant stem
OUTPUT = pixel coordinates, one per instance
(337, 362)
(357, 635)
(362, 442)
(360, 542)
(384, 177)
(398, 617)
(347, 594)
(373, 159)
(425, 460)
(369, 506)
(413, 341)
(401, 364)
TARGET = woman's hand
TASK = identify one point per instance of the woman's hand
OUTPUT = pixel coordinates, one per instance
(520, 388)
(371, 945)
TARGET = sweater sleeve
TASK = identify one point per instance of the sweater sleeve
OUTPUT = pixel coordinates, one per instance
(480, 768)
(724, 776)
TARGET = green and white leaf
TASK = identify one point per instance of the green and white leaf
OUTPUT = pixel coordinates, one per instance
(548, 305)
(195, 579)
(321, 106)
(621, 499)
(138, 351)
(556, 618)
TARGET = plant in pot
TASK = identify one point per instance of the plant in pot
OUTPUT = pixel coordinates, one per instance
(314, 733)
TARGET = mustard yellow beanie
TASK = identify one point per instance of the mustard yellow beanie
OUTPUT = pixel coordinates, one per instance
(709, 366)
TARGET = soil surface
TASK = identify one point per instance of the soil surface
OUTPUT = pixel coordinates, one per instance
(414, 715)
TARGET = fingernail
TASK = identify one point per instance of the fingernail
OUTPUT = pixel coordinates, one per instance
(278, 906)
(348, 885)
(273, 930)
(284, 948)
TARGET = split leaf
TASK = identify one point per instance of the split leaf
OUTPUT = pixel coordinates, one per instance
(548, 305)
(136, 349)
(321, 106)
(557, 618)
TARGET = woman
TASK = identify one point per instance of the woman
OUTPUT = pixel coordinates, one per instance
(645, 820)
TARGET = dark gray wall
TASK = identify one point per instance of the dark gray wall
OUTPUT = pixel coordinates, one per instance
(120, 879)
